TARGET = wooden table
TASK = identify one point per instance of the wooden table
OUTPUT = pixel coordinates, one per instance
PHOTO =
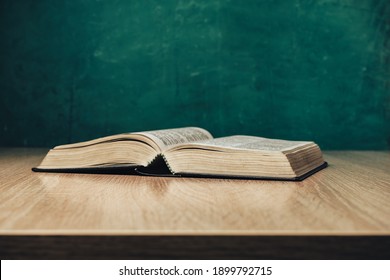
(340, 212)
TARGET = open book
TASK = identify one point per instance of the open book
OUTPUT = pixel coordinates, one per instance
(189, 151)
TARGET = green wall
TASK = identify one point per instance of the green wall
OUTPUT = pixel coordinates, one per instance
(310, 70)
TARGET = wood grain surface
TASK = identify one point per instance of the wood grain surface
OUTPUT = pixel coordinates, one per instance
(341, 212)
(351, 196)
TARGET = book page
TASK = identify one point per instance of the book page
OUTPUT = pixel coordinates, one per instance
(251, 143)
(169, 137)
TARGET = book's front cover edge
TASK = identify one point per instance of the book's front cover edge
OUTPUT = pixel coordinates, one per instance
(124, 169)
(299, 178)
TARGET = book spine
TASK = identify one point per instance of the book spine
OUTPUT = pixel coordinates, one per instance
(167, 163)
